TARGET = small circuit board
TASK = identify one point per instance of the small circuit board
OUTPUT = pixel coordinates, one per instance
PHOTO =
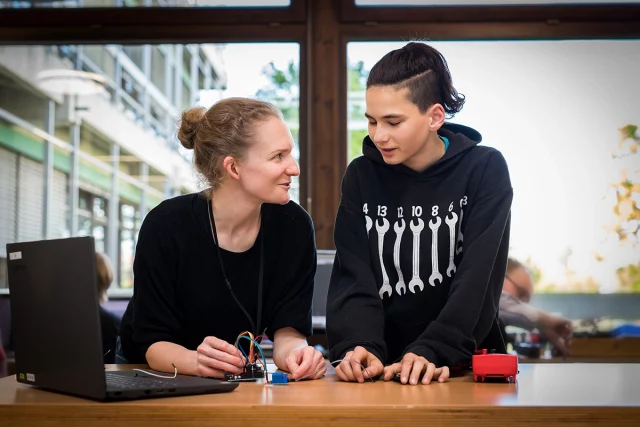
(252, 372)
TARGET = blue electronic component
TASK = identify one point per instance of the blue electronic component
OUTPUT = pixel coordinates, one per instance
(279, 378)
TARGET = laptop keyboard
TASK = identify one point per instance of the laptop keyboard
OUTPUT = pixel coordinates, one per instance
(126, 382)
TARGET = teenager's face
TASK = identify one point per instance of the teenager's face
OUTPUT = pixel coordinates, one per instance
(396, 125)
(266, 171)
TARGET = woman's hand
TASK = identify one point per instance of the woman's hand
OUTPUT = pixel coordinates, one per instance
(412, 367)
(215, 357)
(305, 363)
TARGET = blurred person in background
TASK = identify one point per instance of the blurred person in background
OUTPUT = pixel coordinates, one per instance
(109, 322)
(515, 309)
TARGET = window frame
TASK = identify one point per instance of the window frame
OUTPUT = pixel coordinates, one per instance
(351, 13)
(322, 28)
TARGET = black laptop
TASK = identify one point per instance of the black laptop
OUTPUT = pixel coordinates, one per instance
(56, 327)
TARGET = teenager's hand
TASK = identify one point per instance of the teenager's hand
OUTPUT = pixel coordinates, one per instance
(412, 367)
(350, 368)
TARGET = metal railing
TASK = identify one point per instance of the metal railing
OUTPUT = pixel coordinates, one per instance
(119, 96)
(87, 158)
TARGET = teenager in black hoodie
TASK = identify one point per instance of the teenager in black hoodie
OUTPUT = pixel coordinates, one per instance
(422, 232)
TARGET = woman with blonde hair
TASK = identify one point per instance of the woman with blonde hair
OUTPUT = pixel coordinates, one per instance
(238, 256)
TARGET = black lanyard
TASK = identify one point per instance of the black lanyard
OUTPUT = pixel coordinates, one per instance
(214, 234)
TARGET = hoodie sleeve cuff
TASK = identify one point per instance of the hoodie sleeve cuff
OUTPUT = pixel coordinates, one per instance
(424, 351)
(375, 352)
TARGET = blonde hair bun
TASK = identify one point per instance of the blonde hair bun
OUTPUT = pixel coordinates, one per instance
(188, 125)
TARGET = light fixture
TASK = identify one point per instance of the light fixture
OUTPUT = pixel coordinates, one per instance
(71, 82)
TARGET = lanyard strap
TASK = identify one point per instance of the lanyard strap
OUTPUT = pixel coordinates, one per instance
(214, 235)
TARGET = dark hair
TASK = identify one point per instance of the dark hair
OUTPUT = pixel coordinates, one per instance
(225, 129)
(424, 71)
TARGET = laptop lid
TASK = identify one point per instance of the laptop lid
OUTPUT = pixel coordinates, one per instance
(55, 315)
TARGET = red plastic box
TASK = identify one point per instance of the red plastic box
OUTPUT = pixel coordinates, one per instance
(494, 366)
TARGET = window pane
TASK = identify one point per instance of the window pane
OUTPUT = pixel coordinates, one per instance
(121, 104)
(127, 251)
(128, 236)
(84, 228)
(99, 208)
(565, 115)
(480, 2)
(145, 3)
(134, 53)
(99, 237)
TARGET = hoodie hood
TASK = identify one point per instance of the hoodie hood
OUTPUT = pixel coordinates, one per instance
(461, 138)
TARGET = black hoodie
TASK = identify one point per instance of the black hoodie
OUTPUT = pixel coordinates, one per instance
(442, 237)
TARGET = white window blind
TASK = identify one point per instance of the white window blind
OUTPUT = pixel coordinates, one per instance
(8, 169)
(30, 200)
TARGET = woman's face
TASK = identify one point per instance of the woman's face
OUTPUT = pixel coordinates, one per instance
(396, 126)
(266, 172)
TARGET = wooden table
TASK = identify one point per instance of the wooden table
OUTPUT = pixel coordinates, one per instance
(605, 347)
(545, 395)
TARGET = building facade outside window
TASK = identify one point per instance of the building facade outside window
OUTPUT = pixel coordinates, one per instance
(95, 164)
